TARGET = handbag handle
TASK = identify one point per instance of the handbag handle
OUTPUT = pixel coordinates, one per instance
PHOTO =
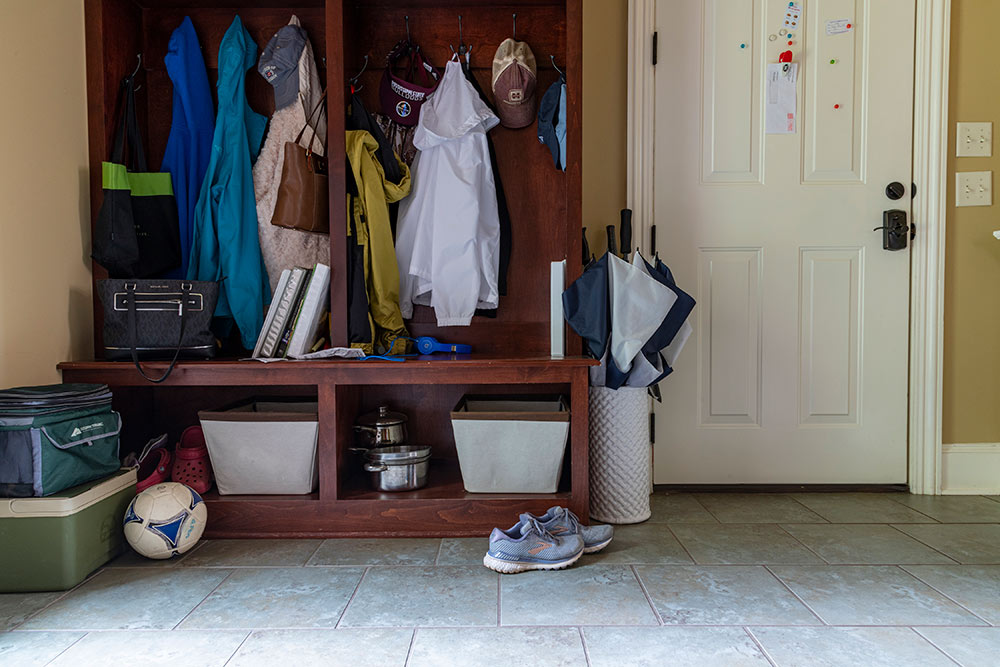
(133, 337)
(309, 119)
(127, 134)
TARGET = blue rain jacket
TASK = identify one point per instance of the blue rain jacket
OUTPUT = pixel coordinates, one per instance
(225, 245)
(190, 143)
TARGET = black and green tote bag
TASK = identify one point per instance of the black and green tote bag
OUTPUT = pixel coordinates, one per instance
(137, 234)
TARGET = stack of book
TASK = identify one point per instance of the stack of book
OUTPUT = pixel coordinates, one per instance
(300, 304)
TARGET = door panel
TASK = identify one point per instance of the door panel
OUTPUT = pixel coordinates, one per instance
(798, 371)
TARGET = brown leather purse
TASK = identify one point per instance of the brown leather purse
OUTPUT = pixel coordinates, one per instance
(303, 200)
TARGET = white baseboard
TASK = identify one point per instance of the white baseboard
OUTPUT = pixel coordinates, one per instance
(970, 469)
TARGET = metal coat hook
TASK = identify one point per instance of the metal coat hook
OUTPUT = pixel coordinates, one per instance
(462, 48)
(556, 67)
(514, 33)
(407, 19)
(138, 65)
(354, 79)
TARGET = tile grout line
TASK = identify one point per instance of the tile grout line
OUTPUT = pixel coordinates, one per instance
(313, 554)
(58, 598)
(680, 542)
(705, 507)
(804, 545)
(915, 510)
(929, 641)
(917, 539)
(437, 558)
(351, 599)
(63, 652)
(586, 649)
(943, 594)
(791, 496)
(794, 594)
(230, 658)
(195, 608)
(753, 638)
(409, 649)
(649, 600)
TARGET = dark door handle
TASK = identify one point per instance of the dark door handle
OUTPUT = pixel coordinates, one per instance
(895, 230)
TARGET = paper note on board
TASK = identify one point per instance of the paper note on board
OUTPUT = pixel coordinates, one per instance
(779, 117)
(838, 26)
(793, 16)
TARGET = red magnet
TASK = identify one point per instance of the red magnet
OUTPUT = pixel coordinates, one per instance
(848, 26)
(785, 57)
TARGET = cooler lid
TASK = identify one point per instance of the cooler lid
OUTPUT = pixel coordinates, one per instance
(71, 500)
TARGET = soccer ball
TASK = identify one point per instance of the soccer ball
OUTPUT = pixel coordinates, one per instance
(165, 520)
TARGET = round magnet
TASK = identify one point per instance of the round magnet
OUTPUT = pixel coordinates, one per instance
(833, 61)
(848, 26)
(789, 42)
(836, 106)
(783, 32)
(743, 45)
(772, 38)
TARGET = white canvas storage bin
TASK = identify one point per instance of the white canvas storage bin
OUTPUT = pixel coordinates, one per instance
(511, 444)
(263, 447)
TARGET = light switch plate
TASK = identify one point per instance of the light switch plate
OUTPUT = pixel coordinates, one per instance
(974, 188)
(974, 140)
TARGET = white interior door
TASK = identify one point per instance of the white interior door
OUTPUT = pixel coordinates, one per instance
(798, 373)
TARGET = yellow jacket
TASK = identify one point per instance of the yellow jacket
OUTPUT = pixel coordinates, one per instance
(371, 234)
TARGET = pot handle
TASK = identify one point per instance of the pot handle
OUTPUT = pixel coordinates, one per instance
(357, 450)
(372, 467)
(358, 427)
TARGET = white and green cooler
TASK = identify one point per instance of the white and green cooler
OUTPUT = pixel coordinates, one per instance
(53, 543)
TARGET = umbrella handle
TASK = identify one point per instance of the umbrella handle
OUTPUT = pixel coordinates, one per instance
(625, 230)
(611, 240)
(586, 248)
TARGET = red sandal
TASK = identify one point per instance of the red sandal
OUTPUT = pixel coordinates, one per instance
(191, 462)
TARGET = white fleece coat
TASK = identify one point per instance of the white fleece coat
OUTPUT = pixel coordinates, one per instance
(287, 248)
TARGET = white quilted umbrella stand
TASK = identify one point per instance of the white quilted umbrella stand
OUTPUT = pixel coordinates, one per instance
(619, 455)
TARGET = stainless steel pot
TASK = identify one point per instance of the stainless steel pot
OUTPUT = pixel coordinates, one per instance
(382, 428)
(399, 468)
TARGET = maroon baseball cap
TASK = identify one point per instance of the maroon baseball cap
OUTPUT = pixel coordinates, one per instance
(514, 83)
(401, 97)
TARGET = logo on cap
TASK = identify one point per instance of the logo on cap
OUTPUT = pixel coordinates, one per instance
(403, 109)
(515, 96)
(269, 72)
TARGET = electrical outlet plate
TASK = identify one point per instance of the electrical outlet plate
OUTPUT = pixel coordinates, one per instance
(974, 188)
(974, 140)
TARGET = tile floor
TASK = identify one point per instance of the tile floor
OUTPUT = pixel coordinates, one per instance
(711, 579)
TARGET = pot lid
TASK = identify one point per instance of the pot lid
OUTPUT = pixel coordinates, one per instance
(398, 453)
(382, 417)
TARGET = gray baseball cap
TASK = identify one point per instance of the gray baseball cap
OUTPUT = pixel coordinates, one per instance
(279, 64)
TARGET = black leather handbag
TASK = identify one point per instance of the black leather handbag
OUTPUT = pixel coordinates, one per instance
(158, 319)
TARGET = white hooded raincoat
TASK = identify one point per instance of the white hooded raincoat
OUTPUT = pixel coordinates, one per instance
(447, 236)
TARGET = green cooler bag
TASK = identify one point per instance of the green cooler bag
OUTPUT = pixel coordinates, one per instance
(43, 455)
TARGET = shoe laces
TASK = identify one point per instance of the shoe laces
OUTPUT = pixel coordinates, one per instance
(572, 519)
(532, 525)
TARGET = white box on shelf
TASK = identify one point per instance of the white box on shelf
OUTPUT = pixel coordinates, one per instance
(263, 447)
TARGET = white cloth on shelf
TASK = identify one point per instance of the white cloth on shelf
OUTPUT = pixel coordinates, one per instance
(448, 233)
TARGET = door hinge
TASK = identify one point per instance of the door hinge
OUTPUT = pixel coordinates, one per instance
(652, 241)
(913, 230)
(652, 428)
(656, 43)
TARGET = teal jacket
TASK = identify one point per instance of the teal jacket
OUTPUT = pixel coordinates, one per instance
(224, 240)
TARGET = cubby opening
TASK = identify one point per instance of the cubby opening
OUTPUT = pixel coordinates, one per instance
(428, 408)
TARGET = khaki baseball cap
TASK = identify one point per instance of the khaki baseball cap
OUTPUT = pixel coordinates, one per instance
(514, 83)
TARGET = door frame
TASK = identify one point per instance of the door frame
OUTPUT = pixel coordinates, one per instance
(930, 173)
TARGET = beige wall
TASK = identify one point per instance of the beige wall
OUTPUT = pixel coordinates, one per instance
(605, 86)
(972, 275)
(45, 294)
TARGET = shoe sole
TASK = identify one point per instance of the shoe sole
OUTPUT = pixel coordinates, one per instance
(513, 567)
(597, 547)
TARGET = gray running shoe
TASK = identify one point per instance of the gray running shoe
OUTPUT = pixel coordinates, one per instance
(528, 546)
(561, 522)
